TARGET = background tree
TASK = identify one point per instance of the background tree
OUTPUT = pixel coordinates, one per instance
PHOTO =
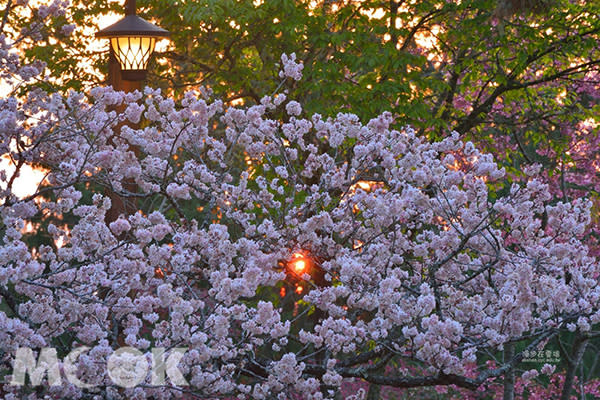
(519, 77)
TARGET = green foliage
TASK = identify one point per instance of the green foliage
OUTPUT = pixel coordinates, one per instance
(481, 73)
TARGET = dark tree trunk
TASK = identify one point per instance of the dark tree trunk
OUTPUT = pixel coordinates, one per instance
(579, 344)
(509, 377)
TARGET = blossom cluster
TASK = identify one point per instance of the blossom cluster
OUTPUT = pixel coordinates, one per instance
(410, 255)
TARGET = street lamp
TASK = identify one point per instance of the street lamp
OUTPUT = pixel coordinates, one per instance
(132, 41)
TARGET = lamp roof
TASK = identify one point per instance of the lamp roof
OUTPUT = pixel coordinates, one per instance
(132, 25)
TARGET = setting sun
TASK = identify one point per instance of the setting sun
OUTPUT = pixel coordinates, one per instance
(299, 264)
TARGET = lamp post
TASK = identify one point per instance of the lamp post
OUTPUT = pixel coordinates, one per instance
(132, 41)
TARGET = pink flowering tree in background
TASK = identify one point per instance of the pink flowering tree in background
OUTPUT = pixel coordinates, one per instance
(288, 254)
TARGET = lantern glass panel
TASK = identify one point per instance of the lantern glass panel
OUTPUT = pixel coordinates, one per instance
(133, 53)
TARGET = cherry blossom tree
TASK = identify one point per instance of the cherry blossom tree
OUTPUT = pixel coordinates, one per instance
(286, 253)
